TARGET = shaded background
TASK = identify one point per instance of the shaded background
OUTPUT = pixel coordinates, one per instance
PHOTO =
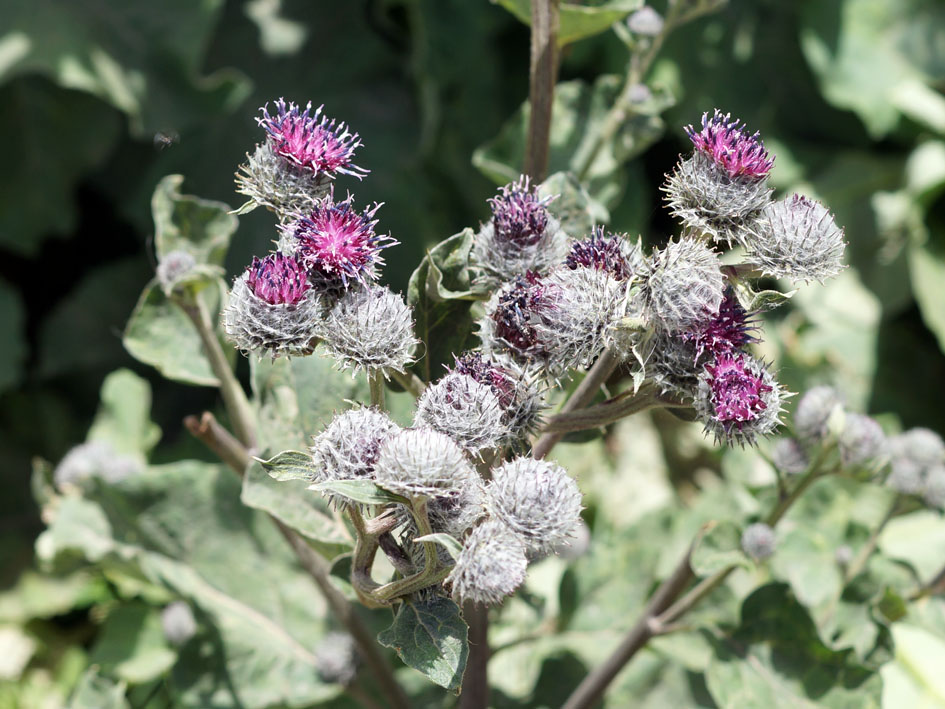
(99, 99)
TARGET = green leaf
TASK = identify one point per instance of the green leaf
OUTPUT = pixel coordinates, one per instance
(160, 334)
(717, 548)
(572, 206)
(915, 678)
(43, 596)
(805, 558)
(446, 541)
(97, 692)
(430, 636)
(927, 270)
(289, 465)
(131, 645)
(576, 21)
(900, 540)
(124, 415)
(363, 491)
(201, 227)
(753, 300)
(12, 320)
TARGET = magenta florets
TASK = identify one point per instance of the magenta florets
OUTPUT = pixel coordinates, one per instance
(311, 139)
(337, 243)
(602, 253)
(730, 146)
(513, 314)
(727, 332)
(519, 215)
(737, 392)
(278, 279)
(495, 377)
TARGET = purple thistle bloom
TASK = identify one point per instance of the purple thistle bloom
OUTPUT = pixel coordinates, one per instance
(730, 146)
(727, 332)
(600, 252)
(337, 243)
(519, 215)
(737, 392)
(311, 140)
(513, 316)
(492, 375)
(278, 279)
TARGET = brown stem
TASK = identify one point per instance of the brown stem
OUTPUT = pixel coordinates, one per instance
(219, 440)
(863, 557)
(608, 412)
(543, 70)
(475, 692)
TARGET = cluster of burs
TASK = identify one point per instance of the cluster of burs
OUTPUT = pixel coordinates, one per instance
(553, 303)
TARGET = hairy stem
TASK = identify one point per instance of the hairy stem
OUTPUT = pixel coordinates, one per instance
(475, 692)
(609, 411)
(376, 383)
(863, 556)
(409, 381)
(542, 73)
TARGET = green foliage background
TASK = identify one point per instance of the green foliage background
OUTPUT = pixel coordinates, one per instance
(847, 93)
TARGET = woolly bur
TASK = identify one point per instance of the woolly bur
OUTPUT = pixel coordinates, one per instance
(465, 410)
(491, 565)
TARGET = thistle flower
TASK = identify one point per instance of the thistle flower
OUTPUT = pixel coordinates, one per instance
(423, 462)
(521, 236)
(862, 439)
(672, 364)
(790, 457)
(813, 413)
(370, 328)
(801, 242)
(758, 541)
(286, 188)
(94, 459)
(173, 268)
(612, 254)
(537, 500)
(338, 244)
(349, 447)
(311, 140)
(178, 623)
(934, 492)
(730, 146)
(738, 399)
(272, 309)
(465, 410)
(921, 446)
(906, 477)
(337, 659)
(682, 285)
(509, 321)
(491, 565)
(728, 331)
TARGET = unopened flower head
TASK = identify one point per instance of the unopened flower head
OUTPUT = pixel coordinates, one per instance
(509, 324)
(646, 21)
(906, 477)
(94, 459)
(683, 285)
(672, 365)
(801, 241)
(758, 541)
(174, 267)
(862, 439)
(519, 215)
(370, 328)
(814, 411)
(337, 659)
(349, 447)
(934, 492)
(309, 139)
(491, 565)
(725, 333)
(738, 399)
(338, 244)
(465, 410)
(790, 457)
(178, 623)
(730, 146)
(271, 181)
(612, 254)
(538, 501)
(272, 310)
(423, 462)
(843, 554)
(921, 446)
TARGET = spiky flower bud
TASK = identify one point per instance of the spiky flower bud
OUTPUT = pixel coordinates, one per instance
(613, 254)
(683, 285)
(178, 623)
(861, 441)
(843, 554)
(934, 493)
(672, 364)
(801, 241)
(790, 457)
(370, 328)
(726, 332)
(906, 477)
(311, 140)
(272, 309)
(646, 21)
(465, 410)
(522, 236)
(921, 446)
(338, 244)
(94, 459)
(173, 267)
(272, 181)
(491, 565)
(538, 501)
(423, 462)
(348, 448)
(510, 316)
(758, 541)
(337, 659)
(738, 399)
(814, 411)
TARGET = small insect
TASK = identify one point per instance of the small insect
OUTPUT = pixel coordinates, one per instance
(165, 139)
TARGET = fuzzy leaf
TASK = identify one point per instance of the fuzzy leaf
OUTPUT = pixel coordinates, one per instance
(97, 692)
(131, 645)
(289, 465)
(430, 636)
(124, 415)
(717, 548)
(927, 269)
(363, 491)
(446, 541)
(577, 21)
(201, 227)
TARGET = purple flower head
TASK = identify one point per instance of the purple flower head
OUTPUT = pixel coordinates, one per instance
(492, 375)
(730, 146)
(513, 316)
(600, 252)
(337, 243)
(311, 139)
(519, 215)
(737, 392)
(726, 332)
(278, 279)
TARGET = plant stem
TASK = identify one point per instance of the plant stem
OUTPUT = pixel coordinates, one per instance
(542, 73)
(863, 556)
(409, 381)
(609, 411)
(585, 392)
(475, 692)
(376, 383)
(234, 398)
(218, 439)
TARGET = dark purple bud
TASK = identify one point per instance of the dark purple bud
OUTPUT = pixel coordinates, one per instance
(519, 215)
(278, 279)
(513, 315)
(737, 392)
(492, 375)
(603, 253)
(725, 333)
(730, 146)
